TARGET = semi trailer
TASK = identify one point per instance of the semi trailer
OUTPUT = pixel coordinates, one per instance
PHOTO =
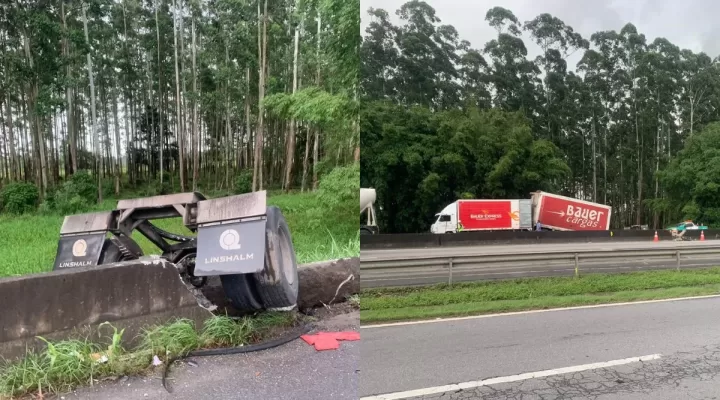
(543, 211)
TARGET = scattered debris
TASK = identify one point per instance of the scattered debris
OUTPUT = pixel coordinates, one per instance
(329, 340)
(156, 361)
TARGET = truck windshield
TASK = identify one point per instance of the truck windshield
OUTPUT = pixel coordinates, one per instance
(444, 218)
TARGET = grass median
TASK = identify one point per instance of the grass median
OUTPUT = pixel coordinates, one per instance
(28, 242)
(64, 365)
(416, 303)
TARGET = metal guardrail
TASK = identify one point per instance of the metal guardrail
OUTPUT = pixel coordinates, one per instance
(423, 270)
(463, 239)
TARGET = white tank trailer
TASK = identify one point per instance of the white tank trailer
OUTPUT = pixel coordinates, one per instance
(368, 223)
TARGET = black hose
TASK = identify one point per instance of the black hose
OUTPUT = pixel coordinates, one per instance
(295, 334)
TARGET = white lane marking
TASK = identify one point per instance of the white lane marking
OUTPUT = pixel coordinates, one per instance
(507, 379)
(628, 303)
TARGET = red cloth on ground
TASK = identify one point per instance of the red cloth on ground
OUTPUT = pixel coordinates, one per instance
(329, 340)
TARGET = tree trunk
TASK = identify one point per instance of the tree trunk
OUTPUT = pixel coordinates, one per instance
(118, 165)
(316, 143)
(178, 106)
(14, 165)
(195, 134)
(160, 97)
(290, 157)
(306, 160)
(228, 143)
(93, 118)
(257, 183)
(72, 137)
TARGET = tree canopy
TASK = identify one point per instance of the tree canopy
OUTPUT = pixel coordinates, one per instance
(188, 92)
(442, 120)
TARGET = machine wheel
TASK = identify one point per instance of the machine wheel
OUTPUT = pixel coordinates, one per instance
(278, 283)
(242, 292)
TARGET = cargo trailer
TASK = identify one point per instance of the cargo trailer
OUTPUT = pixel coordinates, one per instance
(545, 211)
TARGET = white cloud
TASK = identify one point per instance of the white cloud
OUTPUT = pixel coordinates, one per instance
(688, 23)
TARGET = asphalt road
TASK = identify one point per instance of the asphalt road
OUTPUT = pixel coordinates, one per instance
(685, 333)
(423, 275)
(295, 371)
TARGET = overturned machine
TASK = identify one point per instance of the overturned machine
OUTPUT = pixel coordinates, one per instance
(239, 238)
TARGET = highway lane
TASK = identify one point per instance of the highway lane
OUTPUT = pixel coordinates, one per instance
(685, 333)
(531, 261)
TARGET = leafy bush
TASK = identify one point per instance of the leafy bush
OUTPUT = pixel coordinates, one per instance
(77, 194)
(243, 182)
(341, 186)
(19, 197)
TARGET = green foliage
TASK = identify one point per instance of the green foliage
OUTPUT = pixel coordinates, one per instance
(60, 367)
(224, 331)
(243, 182)
(176, 338)
(320, 232)
(63, 365)
(533, 293)
(608, 127)
(77, 194)
(340, 186)
(19, 198)
(420, 161)
(692, 178)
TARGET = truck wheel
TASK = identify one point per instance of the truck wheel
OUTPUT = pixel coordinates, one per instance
(278, 283)
(242, 292)
(365, 231)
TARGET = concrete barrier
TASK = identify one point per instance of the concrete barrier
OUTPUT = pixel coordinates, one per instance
(328, 282)
(134, 295)
(71, 302)
(320, 283)
(426, 240)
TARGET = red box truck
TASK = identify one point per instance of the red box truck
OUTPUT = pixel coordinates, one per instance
(549, 211)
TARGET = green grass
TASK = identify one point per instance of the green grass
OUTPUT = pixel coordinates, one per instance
(28, 243)
(64, 365)
(398, 304)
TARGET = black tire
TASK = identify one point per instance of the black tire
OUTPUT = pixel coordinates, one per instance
(365, 231)
(278, 283)
(242, 292)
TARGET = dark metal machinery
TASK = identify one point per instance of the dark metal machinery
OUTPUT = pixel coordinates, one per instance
(239, 238)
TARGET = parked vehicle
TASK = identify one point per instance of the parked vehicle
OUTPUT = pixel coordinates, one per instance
(687, 226)
(368, 223)
(637, 228)
(543, 210)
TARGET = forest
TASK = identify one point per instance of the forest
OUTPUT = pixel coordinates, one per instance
(633, 125)
(230, 95)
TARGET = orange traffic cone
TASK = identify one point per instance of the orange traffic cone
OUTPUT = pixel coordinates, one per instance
(702, 236)
(656, 238)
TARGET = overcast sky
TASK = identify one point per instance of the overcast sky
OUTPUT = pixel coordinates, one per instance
(690, 24)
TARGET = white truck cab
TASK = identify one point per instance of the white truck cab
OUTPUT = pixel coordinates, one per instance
(446, 220)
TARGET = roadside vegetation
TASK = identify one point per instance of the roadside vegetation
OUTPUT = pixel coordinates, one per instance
(465, 299)
(322, 223)
(64, 365)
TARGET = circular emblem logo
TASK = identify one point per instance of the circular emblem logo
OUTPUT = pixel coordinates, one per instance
(230, 240)
(79, 248)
